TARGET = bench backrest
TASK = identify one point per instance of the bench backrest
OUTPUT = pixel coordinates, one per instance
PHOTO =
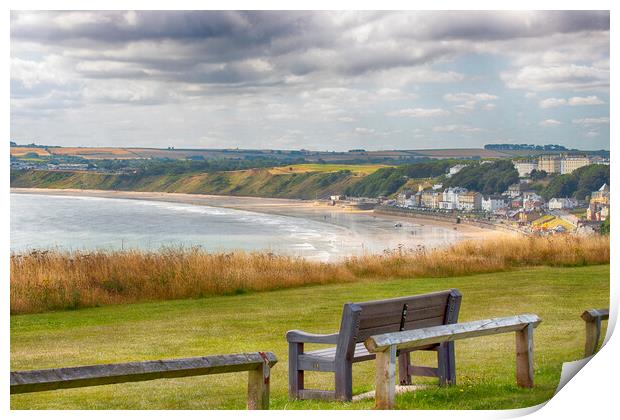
(361, 320)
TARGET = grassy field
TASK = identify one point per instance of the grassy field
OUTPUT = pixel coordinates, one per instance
(326, 167)
(23, 151)
(258, 321)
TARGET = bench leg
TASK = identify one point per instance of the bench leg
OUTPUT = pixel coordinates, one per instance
(344, 381)
(385, 384)
(295, 376)
(593, 335)
(446, 365)
(525, 357)
(258, 388)
(404, 363)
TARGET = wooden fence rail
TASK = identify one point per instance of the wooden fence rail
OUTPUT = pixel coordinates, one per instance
(593, 319)
(386, 346)
(257, 364)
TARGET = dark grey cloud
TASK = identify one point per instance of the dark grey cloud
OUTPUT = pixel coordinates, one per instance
(267, 27)
(115, 27)
(493, 25)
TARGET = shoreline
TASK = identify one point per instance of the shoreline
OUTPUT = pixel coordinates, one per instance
(275, 206)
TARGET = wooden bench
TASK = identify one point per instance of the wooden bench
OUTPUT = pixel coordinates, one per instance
(360, 321)
(387, 345)
(257, 364)
(593, 319)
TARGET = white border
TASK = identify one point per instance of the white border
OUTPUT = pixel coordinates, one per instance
(592, 393)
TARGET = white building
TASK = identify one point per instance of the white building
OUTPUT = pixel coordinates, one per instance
(450, 198)
(455, 170)
(525, 167)
(491, 204)
(562, 203)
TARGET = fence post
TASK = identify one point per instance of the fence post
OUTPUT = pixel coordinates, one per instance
(385, 379)
(258, 386)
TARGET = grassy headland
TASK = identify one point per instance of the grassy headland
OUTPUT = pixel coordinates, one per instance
(258, 321)
(49, 280)
(261, 182)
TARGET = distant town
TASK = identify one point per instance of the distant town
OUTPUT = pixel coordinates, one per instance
(519, 207)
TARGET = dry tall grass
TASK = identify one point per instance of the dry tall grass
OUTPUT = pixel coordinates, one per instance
(47, 280)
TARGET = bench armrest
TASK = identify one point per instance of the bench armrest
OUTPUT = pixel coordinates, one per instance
(297, 336)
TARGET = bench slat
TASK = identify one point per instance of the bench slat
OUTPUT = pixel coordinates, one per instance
(394, 328)
(393, 317)
(443, 333)
(372, 308)
(106, 374)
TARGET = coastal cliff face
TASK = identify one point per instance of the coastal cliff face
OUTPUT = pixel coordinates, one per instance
(254, 182)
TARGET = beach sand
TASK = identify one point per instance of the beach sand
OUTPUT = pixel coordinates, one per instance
(284, 207)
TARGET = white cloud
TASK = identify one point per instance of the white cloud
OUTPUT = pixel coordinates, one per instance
(551, 102)
(574, 101)
(560, 77)
(419, 112)
(457, 128)
(467, 97)
(52, 70)
(365, 131)
(591, 121)
(549, 123)
(585, 100)
(469, 101)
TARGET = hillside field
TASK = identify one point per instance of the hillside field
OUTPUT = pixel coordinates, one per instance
(259, 321)
(326, 167)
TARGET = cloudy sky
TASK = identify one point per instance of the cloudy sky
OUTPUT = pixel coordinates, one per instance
(315, 80)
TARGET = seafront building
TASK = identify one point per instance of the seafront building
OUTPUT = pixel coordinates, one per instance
(562, 203)
(552, 164)
(450, 198)
(601, 196)
(556, 164)
(598, 209)
(430, 199)
(493, 203)
(569, 163)
(532, 201)
(470, 201)
(525, 167)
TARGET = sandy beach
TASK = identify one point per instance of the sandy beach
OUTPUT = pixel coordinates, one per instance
(284, 207)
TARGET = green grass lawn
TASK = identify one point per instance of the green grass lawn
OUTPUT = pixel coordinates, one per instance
(258, 322)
